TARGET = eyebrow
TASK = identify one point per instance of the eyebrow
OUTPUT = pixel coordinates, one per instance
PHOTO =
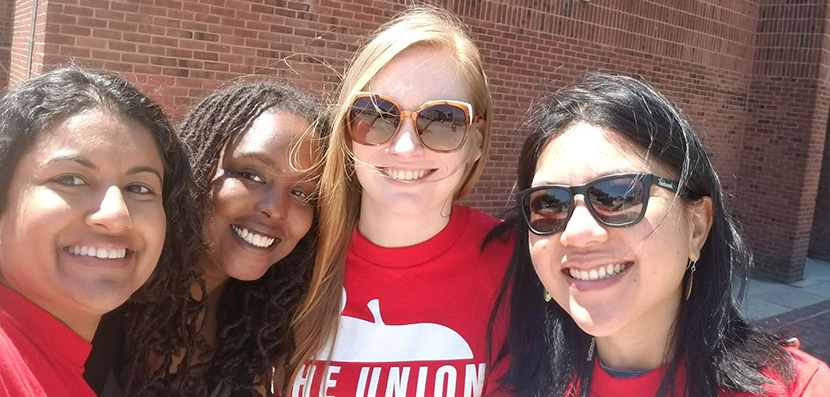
(261, 157)
(142, 168)
(89, 164)
(75, 159)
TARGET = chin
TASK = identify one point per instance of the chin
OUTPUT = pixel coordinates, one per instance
(101, 299)
(248, 274)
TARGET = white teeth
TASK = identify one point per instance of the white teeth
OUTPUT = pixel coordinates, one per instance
(597, 273)
(102, 253)
(406, 175)
(257, 240)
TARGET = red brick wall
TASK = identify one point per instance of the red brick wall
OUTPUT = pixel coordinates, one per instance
(820, 236)
(6, 29)
(700, 62)
(789, 99)
(701, 53)
(21, 65)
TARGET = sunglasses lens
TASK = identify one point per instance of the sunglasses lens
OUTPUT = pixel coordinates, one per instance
(372, 120)
(618, 201)
(442, 127)
(547, 210)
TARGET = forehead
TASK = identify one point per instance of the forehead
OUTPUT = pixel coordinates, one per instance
(584, 152)
(102, 136)
(95, 127)
(421, 74)
(276, 135)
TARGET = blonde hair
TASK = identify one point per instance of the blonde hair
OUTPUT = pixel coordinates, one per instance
(340, 192)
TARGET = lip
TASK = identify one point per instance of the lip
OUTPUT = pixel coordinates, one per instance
(417, 174)
(258, 229)
(588, 263)
(101, 263)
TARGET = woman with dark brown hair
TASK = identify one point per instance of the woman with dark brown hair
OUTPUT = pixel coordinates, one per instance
(253, 151)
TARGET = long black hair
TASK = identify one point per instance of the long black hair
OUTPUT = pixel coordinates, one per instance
(718, 347)
(254, 317)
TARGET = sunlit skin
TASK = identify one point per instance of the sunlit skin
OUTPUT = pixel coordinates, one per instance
(631, 313)
(394, 212)
(95, 180)
(259, 188)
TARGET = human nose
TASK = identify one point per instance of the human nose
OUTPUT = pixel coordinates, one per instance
(582, 228)
(272, 202)
(406, 140)
(112, 214)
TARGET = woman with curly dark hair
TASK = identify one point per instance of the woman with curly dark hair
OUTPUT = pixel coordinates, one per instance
(94, 193)
(253, 154)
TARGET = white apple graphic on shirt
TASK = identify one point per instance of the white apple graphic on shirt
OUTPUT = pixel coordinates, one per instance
(373, 341)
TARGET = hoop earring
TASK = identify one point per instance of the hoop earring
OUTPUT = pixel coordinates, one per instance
(691, 267)
(547, 296)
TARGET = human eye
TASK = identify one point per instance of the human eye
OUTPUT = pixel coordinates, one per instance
(140, 190)
(252, 176)
(303, 192)
(300, 193)
(69, 180)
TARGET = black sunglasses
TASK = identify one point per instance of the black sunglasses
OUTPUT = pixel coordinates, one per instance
(614, 200)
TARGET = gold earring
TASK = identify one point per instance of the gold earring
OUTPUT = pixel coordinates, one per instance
(547, 296)
(690, 279)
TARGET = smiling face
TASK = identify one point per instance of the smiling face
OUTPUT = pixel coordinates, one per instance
(402, 175)
(644, 263)
(259, 197)
(84, 225)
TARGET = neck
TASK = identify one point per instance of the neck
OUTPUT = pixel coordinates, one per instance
(391, 229)
(82, 324)
(646, 344)
(214, 278)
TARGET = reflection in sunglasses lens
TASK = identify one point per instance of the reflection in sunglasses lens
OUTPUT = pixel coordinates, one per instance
(617, 201)
(373, 120)
(442, 127)
(549, 209)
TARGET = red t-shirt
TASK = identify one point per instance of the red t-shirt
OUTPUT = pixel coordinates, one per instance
(812, 379)
(415, 318)
(39, 355)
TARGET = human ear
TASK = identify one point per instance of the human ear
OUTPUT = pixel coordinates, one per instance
(700, 214)
(477, 132)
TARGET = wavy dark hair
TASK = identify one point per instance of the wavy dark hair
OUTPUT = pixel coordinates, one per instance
(35, 106)
(718, 347)
(254, 317)
(40, 104)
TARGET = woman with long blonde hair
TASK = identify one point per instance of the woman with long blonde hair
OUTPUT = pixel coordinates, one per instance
(403, 285)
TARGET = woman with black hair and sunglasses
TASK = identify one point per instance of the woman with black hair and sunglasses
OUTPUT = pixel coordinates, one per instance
(622, 277)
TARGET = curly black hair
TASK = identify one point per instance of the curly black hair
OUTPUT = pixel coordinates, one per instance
(254, 317)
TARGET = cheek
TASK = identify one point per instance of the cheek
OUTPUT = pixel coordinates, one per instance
(40, 212)
(300, 221)
(544, 257)
(151, 220)
(226, 197)
(363, 153)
